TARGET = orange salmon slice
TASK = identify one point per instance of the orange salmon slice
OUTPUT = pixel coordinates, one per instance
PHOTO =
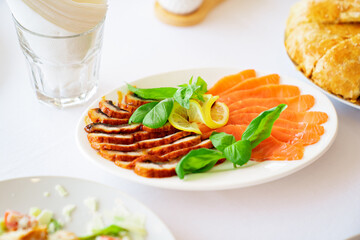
(270, 148)
(253, 83)
(245, 119)
(300, 103)
(309, 117)
(266, 91)
(231, 80)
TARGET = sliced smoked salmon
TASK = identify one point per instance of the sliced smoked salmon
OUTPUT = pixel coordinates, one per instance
(245, 119)
(266, 91)
(228, 81)
(270, 148)
(309, 117)
(253, 83)
(299, 103)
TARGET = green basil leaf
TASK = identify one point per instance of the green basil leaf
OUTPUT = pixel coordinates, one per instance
(222, 140)
(200, 88)
(260, 127)
(158, 115)
(153, 93)
(112, 230)
(183, 95)
(140, 113)
(202, 84)
(197, 161)
(239, 152)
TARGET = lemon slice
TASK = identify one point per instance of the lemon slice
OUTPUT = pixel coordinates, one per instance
(211, 113)
(179, 119)
(216, 114)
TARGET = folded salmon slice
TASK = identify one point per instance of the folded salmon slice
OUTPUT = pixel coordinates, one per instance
(229, 81)
(266, 91)
(245, 119)
(237, 114)
(299, 103)
(309, 117)
(270, 148)
(253, 83)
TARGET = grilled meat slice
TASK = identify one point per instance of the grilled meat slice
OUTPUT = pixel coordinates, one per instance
(133, 100)
(182, 152)
(156, 170)
(163, 166)
(107, 128)
(109, 108)
(110, 138)
(96, 138)
(127, 107)
(150, 143)
(166, 127)
(162, 140)
(121, 156)
(97, 116)
(179, 144)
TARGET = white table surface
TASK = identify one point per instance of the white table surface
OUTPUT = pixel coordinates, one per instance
(321, 201)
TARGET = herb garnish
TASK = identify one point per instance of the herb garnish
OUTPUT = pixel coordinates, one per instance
(237, 152)
(156, 114)
(112, 230)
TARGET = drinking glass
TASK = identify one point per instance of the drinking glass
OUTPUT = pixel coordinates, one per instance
(64, 70)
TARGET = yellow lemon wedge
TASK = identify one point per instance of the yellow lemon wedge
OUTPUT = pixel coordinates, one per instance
(211, 113)
(215, 114)
(179, 119)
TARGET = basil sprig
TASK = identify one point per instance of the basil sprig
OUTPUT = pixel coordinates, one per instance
(237, 152)
(110, 231)
(140, 113)
(194, 90)
(159, 114)
(153, 93)
(156, 114)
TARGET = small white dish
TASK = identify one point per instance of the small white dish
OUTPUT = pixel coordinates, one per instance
(23, 193)
(181, 7)
(223, 176)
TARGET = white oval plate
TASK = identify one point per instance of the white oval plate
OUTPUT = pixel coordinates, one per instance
(333, 96)
(23, 193)
(223, 176)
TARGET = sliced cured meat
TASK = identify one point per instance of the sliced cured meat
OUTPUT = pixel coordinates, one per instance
(229, 81)
(166, 127)
(179, 144)
(151, 143)
(246, 119)
(309, 117)
(127, 107)
(97, 116)
(121, 156)
(151, 169)
(158, 167)
(128, 138)
(110, 138)
(163, 140)
(270, 148)
(107, 128)
(267, 91)
(182, 152)
(300, 103)
(108, 107)
(253, 83)
(133, 100)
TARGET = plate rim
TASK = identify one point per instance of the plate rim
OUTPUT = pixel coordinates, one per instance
(120, 192)
(142, 180)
